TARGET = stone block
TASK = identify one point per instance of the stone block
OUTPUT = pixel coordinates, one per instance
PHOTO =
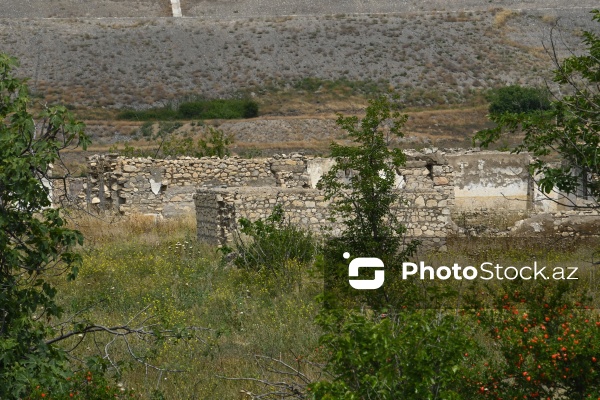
(440, 180)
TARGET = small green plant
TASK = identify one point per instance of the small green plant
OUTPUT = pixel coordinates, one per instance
(147, 129)
(167, 127)
(272, 243)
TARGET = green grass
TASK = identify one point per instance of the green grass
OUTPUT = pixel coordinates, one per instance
(158, 268)
(181, 283)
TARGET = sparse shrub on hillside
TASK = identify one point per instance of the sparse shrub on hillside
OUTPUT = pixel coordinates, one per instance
(147, 129)
(346, 86)
(203, 109)
(219, 109)
(171, 144)
(518, 99)
(166, 128)
(153, 114)
(213, 143)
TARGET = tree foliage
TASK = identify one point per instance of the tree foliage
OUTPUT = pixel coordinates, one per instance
(425, 354)
(36, 244)
(364, 199)
(547, 342)
(33, 237)
(213, 143)
(518, 99)
(570, 129)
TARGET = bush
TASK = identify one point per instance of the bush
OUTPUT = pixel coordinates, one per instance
(203, 109)
(147, 129)
(88, 384)
(517, 99)
(273, 243)
(213, 143)
(219, 109)
(423, 354)
(547, 339)
(153, 114)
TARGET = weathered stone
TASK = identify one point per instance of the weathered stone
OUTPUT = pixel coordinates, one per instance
(419, 202)
(415, 164)
(440, 180)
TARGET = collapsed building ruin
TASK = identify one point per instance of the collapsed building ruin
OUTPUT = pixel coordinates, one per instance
(441, 189)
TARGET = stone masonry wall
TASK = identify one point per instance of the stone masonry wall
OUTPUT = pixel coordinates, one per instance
(479, 190)
(166, 187)
(425, 183)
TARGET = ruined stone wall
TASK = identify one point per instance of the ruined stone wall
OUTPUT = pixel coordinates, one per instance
(166, 187)
(474, 192)
(425, 183)
(219, 209)
(491, 180)
(494, 189)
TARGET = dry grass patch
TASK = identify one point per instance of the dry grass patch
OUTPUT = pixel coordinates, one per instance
(147, 228)
(502, 16)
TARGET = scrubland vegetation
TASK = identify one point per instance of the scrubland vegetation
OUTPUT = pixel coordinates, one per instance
(272, 317)
(158, 267)
(141, 309)
(252, 318)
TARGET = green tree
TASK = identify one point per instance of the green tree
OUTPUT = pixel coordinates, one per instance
(364, 201)
(384, 350)
(362, 189)
(517, 99)
(33, 237)
(425, 354)
(570, 129)
(35, 243)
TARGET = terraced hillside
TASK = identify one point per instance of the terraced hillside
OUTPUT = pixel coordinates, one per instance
(136, 62)
(260, 8)
(431, 52)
